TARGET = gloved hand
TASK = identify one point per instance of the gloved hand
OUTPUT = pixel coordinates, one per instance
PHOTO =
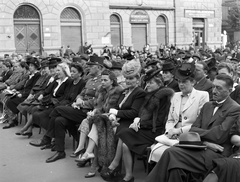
(113, 111)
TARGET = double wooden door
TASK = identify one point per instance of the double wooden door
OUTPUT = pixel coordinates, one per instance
(27, 38)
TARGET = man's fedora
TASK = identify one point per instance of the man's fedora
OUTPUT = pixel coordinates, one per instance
(190, 140)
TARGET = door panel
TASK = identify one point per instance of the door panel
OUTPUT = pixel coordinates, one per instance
(161, 36)
(115, 36)
(139, 36)
(20, 38)
(33, 35)
(71, 35)
(27, 38)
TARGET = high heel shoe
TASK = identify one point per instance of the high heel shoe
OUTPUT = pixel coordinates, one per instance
(86, 157)
(19, 133)
(131, 180)
(28, 134)
(74, 155)
(92, 172)
(110, 174)
(84, 163)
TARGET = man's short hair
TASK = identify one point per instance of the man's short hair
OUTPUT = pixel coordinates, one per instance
(225, 65)
(205, 66)
(226, 78)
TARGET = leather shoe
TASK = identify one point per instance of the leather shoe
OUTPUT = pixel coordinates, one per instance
(56, 156)
(10, 125)
(42, 142)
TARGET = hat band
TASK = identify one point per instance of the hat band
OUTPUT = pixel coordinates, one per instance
(185, 72)
(191, 142)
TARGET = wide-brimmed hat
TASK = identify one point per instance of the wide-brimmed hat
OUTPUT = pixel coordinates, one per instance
(168, 66)
(44, 63)
(116, 65)
(35, 61)
(128, 56)
(131, 68)
(196, 56)
(184, 71)
(84, 57)
(151, 73)
(53, 62)
(234, 60)
(76, 59)
(95, 60)
(190, 140)
(151, 62)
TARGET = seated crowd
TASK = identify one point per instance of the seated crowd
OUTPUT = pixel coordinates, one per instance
(179, 108)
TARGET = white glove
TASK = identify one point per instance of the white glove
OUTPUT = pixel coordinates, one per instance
(113, 111)
(136, 124)
(112, 117)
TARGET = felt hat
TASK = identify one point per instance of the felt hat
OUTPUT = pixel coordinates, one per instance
(44, 63)
(151, 73)
(84, 57)
(196, 56)
(76, 59)
(34, 61)
(95, 60)
(128, 56)
(151, 62)
(235, 60)
(190, 140)
(116, 65)
(184, 71)
(168, 66)
(131, 68)
(53, 62)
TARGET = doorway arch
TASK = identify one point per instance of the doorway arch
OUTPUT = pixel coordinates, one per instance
(27, 32)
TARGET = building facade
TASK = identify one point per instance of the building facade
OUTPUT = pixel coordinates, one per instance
(44, 26)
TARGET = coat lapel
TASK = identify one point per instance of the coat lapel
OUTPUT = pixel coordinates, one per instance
(219, 112)
(177, 105)
(189, 101)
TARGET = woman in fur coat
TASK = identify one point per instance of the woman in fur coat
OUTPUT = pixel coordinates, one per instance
(149, 124)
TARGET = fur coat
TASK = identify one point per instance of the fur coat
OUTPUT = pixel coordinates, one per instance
(155, 108)
(107, 99)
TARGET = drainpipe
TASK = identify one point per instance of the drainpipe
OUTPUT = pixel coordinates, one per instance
(175, 22)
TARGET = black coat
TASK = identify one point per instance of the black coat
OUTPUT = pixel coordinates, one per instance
(153, 115)
(130, 108)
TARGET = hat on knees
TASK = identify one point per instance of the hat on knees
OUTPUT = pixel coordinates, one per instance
(190, 140)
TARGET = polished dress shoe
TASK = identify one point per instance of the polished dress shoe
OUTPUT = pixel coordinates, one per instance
(11, 124)
(38, 143)
(56, 156)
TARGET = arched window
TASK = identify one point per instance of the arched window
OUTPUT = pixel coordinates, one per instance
(71, 29)
(115, 30)
(161, 30)
(27, 29)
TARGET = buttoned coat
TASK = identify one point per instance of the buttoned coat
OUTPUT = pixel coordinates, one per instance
(190, 111)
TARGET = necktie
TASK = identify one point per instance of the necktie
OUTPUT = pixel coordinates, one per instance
(215, 104)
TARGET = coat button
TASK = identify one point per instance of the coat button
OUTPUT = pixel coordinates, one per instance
(185, 118)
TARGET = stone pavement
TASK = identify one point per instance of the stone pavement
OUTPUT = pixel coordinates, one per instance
(21, 162)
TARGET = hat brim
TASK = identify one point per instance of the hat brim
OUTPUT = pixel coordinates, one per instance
(90, 63)
(147, 78)
(179, 76)
(188, 146)
(115, 68)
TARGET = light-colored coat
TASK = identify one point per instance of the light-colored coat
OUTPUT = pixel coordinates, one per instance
(190, 111)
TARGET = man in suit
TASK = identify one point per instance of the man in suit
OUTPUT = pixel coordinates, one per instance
(202, 83)
(213, 125)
